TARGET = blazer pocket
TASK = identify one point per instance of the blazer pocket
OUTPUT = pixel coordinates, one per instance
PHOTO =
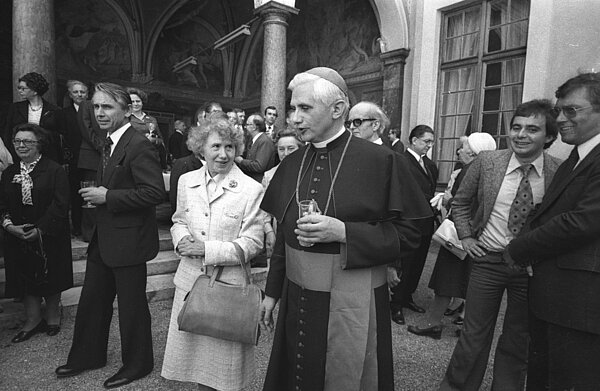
(584, 259)
(231, 219)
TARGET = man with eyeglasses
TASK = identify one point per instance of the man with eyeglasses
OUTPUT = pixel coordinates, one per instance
(367, 121)
(261, 153)
(562, 242)
(425, 173)
(498, 192)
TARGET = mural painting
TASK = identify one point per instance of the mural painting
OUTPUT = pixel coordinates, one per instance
(91, 43)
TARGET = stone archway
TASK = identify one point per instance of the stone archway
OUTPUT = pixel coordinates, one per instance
(393, 23)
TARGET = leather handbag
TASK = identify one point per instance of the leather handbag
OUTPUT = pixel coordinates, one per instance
(221, 310)
(446, 236)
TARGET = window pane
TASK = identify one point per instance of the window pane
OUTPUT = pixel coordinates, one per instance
(491, 99)
(517, 35)
(519, 9)
(505, 123)
(463, 125)
(498, 14)
(467, 78)
(472, 20)
(470, 45)
(495, 38)
(448, 149)
(493, 74)
(449, 103)
(454, 25)
(451, 81)
(445, 169)
(490, 123)
(503, 143)
(514, 70)
(447, 127)
(465, 102)
(511, 97)
(453, 47)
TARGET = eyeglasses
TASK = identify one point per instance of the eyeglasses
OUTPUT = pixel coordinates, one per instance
(427, 142)
(568, 111)
(28, 143)
(358, 121)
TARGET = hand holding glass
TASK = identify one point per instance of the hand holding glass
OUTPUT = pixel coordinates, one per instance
(308, 207)
(85, 184)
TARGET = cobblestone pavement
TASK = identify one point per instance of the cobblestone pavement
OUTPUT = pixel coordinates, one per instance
(419, 363)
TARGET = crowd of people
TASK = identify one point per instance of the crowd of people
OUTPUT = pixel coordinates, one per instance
(528, 223)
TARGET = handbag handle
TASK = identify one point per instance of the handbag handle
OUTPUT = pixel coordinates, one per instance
(241, 258)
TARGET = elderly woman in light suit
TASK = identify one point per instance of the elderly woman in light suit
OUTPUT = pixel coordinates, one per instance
(216, 205)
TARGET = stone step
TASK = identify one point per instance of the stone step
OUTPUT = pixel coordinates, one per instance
(159, 287)
(79, 247)
(165, 262)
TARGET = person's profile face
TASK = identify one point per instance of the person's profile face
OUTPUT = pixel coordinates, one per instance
(421, 145)
(241, 117)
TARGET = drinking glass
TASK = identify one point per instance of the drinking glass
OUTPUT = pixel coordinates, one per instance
(307, 207)
(85, 184)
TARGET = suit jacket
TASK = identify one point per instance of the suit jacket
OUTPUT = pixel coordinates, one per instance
(92, 137)
(233, 215)
(126, 223)
(562, 240)
(52, 120)
(176, 145)
(72, 135)
(427, 181)
(259, 158)
(398, 147)
(479, 189)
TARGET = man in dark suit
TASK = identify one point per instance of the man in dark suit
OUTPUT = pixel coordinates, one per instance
(562, 242)
(78, 92)
(261, 155)
(270, 118)
(176, 143)
(425, 173)
(125, 238)
(498, 191)
(396, 144)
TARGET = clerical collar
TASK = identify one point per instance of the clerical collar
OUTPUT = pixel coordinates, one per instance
(323, 144)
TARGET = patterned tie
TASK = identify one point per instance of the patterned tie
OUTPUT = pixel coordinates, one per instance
(522, 205)
(106, 153)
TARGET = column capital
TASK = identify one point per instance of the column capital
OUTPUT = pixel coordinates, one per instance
(275, 12)
(394, 56)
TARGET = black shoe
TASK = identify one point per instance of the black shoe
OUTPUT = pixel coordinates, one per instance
(53, 329)
(398, 317)
(434, 332)
(66, 371)
(119, 380)
(411, 305)
(459, 321)
(457, 310)
(25, 335)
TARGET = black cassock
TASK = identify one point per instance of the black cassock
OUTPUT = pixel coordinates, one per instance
(333, 329)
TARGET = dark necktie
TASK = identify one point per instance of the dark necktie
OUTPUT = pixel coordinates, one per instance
(106, 153)
(522, 205)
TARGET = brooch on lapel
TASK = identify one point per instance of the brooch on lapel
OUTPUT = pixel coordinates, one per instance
(233, 183)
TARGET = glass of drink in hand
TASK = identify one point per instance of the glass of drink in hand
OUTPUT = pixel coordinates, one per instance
(85, 184)
(307, 207)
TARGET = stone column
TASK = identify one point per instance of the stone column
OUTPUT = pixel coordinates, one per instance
(33, 42)
(274, 16)
(393, 84)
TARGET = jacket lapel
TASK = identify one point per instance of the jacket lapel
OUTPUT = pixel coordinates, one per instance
(231, 182)
(118, 154)
(495, 169)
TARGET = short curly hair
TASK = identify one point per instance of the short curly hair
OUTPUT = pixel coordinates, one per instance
(35, 82)
(198, 135)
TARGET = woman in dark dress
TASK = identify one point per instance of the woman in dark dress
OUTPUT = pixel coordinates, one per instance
(450, 274)
(34, 205)
(34, 109)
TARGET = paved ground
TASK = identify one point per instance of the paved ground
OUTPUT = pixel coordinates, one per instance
(419, 362)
